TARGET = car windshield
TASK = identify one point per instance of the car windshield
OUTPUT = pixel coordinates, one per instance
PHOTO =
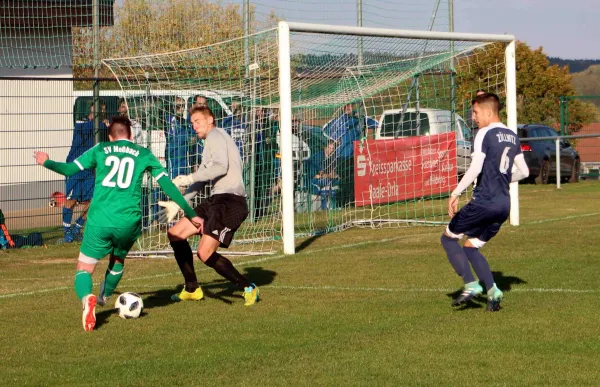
(396, 124)
(466, 131)
(543, 132)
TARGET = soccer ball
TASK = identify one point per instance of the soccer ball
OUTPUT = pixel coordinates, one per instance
(129, 305)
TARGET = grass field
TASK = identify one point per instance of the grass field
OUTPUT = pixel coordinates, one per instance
(363, 307)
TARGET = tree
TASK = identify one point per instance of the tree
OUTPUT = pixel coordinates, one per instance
(145, 27)
(539, 85)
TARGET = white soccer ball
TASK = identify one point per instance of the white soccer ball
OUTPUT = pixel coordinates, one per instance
(129, 305)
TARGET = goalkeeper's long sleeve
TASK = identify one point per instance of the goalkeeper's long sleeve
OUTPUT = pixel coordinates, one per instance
(194, 190)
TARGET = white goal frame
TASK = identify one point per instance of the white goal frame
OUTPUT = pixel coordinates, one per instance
(285, 90)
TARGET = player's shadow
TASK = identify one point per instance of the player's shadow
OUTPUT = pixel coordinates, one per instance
(103, 315)
(221, 290)
(228, 293)
(503, 282)
(151, 300)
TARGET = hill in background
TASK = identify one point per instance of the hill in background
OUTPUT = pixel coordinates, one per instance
(575, 65)
(587, 82)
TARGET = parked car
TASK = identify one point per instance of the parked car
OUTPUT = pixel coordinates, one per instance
(430, 121)
(540, 155)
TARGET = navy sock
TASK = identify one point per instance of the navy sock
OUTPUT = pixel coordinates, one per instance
(458, 259)
(67, 216)
(481, 266)
(80, 222)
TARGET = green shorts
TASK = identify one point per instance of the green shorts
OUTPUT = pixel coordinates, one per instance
(98, 242)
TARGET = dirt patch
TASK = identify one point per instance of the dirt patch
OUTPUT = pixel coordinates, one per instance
(48, 261)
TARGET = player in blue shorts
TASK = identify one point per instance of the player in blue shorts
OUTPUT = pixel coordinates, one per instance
(80, 187)
(496, 150)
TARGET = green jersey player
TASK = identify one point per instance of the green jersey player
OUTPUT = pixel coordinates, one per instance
(115, 216)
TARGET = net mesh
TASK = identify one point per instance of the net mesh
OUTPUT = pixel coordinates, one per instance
(380, 133)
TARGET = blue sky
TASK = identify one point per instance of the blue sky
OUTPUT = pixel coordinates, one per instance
(569, 29)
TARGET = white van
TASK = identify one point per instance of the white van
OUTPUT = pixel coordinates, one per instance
(219, 101)
(430, 121)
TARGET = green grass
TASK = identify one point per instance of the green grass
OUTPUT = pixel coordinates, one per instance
(366, 307)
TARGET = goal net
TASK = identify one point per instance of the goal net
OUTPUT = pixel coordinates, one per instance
(336, 126)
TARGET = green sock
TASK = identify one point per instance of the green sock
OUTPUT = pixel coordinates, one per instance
(83, 284)
(112, 277)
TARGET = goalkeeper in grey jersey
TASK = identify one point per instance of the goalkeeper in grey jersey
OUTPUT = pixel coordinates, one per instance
(222, 213)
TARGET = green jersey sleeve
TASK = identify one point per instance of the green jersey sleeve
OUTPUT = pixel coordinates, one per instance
(65, 169)
(155, 168)
(85, 161)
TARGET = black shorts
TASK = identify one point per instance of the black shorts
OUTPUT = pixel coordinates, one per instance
(223, 214)
(479, 221)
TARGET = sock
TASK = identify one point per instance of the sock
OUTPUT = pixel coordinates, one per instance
(458, 259)
(77, 228)
(80, 222)
(113, 275)
(185, 261)
(83, 284)
(67, 216)
(225, 268)
(481, 266)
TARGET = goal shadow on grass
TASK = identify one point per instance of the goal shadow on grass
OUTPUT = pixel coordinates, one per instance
(220, 289)
(307, 242)
(504, 283)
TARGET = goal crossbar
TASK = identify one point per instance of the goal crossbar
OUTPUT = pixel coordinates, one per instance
(393, 33)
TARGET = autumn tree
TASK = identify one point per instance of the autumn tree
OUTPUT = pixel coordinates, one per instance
(148, 27)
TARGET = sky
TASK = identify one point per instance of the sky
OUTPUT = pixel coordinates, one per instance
(568, 29)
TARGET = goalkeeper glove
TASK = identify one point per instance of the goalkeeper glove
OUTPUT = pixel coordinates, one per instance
(183, 180)
(168, 213)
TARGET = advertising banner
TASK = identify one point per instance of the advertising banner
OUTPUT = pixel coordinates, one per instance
(387, 171)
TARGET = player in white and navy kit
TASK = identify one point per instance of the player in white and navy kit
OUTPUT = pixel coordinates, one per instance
(496, 150)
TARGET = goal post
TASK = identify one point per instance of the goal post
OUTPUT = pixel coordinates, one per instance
(287, 167)
(511, 120)
(284, 43)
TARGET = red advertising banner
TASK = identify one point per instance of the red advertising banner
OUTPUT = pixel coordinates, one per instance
(388, 171)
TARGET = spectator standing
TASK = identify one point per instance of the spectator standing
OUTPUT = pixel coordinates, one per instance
(179, 136)
(344, 130)
(80, 186)
(235, 125)
(136, 127)
(324, 181)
